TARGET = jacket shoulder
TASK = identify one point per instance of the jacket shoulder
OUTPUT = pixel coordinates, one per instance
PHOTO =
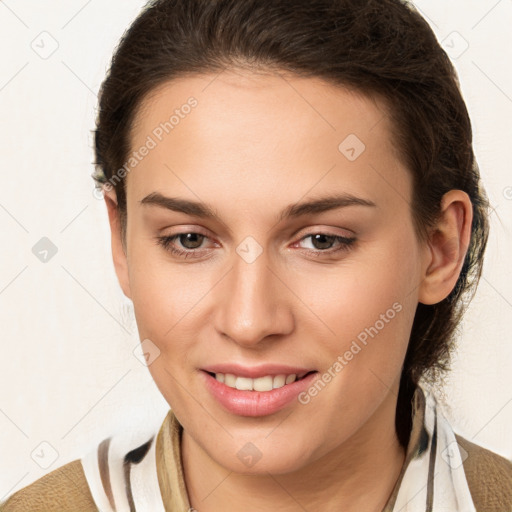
(489, 477)
(65, 488)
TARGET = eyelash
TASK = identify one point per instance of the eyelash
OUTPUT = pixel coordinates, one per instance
(166, 243)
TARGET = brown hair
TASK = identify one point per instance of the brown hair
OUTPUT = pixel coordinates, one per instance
(382, 48)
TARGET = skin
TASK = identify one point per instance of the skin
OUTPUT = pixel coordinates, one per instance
(255, 144)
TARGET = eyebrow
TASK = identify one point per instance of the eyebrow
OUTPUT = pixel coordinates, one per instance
(203, 210)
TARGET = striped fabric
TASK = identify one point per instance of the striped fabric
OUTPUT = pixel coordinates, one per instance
(123, 481)
(124, 478)
(433, 477)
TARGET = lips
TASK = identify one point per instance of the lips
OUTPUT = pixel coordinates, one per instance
(246, 391)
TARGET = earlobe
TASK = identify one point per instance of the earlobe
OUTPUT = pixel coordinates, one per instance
(447, 247)
(119, 254)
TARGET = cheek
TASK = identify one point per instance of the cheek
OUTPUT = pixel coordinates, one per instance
(380, 276)
(370, 308)
(164, 299)
(161, 295)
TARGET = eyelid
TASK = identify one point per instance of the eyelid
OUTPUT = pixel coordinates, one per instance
(184, 230)
(344, 244)
(329, 231)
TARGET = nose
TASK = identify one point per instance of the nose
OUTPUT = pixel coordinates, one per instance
(253, 303)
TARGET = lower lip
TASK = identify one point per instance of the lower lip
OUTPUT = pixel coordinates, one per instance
(256, 403)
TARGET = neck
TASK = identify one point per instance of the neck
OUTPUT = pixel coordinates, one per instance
(360, 474)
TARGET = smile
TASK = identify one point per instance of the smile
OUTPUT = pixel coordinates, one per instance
(265, 383)
(266, 391)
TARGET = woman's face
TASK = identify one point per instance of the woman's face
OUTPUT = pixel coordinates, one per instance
(264, 286)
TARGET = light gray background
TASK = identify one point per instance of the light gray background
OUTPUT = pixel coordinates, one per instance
(69, 377)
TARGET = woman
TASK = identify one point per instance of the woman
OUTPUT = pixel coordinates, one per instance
(296, 214)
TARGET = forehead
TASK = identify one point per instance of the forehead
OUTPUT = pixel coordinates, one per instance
(264, 131)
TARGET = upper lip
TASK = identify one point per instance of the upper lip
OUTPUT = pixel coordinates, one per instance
(254, 372)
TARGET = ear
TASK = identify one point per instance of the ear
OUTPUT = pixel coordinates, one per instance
(119, 254)
(447, 247)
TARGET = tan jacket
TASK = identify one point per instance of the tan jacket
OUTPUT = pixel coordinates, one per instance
(65, 489)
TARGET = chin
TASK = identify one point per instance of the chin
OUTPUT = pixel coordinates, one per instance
(259, 455)
(277, 461)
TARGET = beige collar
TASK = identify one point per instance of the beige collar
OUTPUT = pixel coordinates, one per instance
(170, 466)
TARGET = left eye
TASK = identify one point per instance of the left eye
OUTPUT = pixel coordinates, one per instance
(190, 241)
(323, 241)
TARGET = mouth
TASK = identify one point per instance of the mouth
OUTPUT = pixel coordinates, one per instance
(264, 383)
(266, 392)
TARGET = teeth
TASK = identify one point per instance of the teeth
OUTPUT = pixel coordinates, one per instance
(229, 380)
(263, 383)
(243, 384)
(290, 378)
(279, 381)
(266, 383)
